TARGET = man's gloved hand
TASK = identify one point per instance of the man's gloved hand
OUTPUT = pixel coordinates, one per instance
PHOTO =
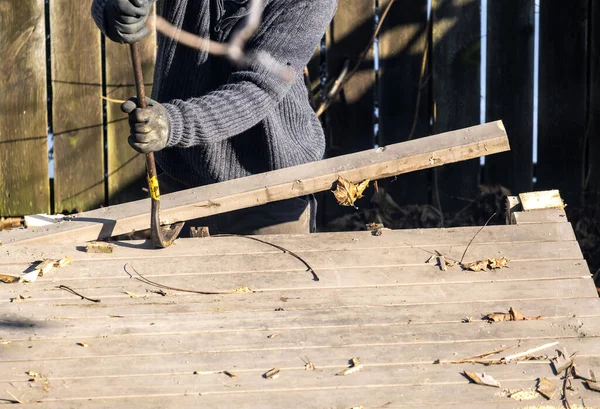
(125, 20)
(149, 126)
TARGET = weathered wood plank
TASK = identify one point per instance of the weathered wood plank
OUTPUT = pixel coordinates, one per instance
(350, 118)
(126, 167)
(24, 118)
(510, 90)
(403, 39)
(296, 379)
(372, 396)
(455, 76)
(277, 185)
(562, 97)
(355, 241)
(76, 109)
(540, 216)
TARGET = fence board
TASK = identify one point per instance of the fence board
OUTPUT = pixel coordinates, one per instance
(350, 119)
(562, 97)
(593, 182)
(76, 108)
(510, 32)
(126, 169)
(456, 48)
(401, 43)
(24, 183)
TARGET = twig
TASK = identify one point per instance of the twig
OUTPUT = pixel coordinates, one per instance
(70, 290)
(528, 352)
(328, 101)
(234, 49)
(291, 253)
(167, 287)
(335, 88)
(478, 231)
(116, 101)
(475, 358)
(421, 82)
(567, 379)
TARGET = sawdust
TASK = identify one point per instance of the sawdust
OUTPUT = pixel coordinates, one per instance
(519, 394)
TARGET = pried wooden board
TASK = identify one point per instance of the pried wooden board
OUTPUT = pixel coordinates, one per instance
(377, 299)
(24, 183)
(76, 108)
(254, 190)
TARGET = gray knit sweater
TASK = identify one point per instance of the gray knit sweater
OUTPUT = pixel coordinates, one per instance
(228, 122)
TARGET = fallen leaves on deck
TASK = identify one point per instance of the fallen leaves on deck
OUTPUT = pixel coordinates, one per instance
(8, 279)
(482, 379)
(483, 265)
(346, 192)
(511, 315)
(308, 365)
(33, 374)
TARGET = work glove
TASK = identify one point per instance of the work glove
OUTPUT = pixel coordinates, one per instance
(148, 127)
(125, 20)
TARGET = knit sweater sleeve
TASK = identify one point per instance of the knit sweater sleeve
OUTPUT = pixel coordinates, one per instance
(98, 13)
(289, 33)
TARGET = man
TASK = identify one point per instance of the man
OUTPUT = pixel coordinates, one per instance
(210, 121)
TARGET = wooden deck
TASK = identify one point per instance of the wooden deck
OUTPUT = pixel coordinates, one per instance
(377, 299)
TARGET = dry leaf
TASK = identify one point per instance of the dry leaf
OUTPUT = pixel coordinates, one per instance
(546, 388)
(497, 317)
(8, 279)
(482, 379)
(83, 344)
(272, 373)
(511, 315)
(476, 265)
(482, 265)
(495, 263)
(346, 192)
(241, 290)
(33, 374)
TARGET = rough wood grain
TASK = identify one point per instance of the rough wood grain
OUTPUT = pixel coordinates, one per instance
(126, 168)
(76, 108)
(455, 76)
(562, 97)
(23, 122)
(402, 41)
(510, 90)
(277, 185)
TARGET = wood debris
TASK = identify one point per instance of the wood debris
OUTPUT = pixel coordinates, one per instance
(431, 259)
(528, 352)
(83, 344)
(99, 247)
(346, 192)
(160, 292)
(33, 374)
(482, 379)
(29, 277)
(272, 374)
(8, 279)
(484, 265)
(199, 232)
(241, 290)
(308, 365)
(229, 374)
(546, 388)
(5, 342)
(473, 359)
(585, 374)
(595, 386)
(512, 315)
(561, 361)
(272, 336)
(19, 298)
(355, 366)
(132, 295)
(63, 262)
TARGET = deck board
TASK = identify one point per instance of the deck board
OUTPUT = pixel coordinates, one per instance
(377, 299)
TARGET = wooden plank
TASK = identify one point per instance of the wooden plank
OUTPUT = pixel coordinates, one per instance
(540, 216)
(562, 97)
(76, 109)
(293, 379)
(509, 94)
(455, 76)
(549, 199)
(403, 38)
(24, 121)
(350, 118)
(371, 396)
(427, 239)
(277, 185)
(126, 168)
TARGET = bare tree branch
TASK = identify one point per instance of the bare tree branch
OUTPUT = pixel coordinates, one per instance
(234, 49)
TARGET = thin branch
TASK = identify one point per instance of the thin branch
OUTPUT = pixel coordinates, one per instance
(335, 88)
(167, 287)
(291, 253)
(116, 101)
(478, 231)
(70, 290)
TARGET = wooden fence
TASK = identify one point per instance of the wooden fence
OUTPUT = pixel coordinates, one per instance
(56, 66)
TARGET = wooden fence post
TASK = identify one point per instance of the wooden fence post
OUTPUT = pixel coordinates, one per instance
(403, 38)
(562, 97)
(24, 182)
(76, 108)
(510, 90)
(456, 86)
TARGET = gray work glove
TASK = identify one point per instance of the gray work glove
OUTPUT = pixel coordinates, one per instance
(125, 20)
(149, 127)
